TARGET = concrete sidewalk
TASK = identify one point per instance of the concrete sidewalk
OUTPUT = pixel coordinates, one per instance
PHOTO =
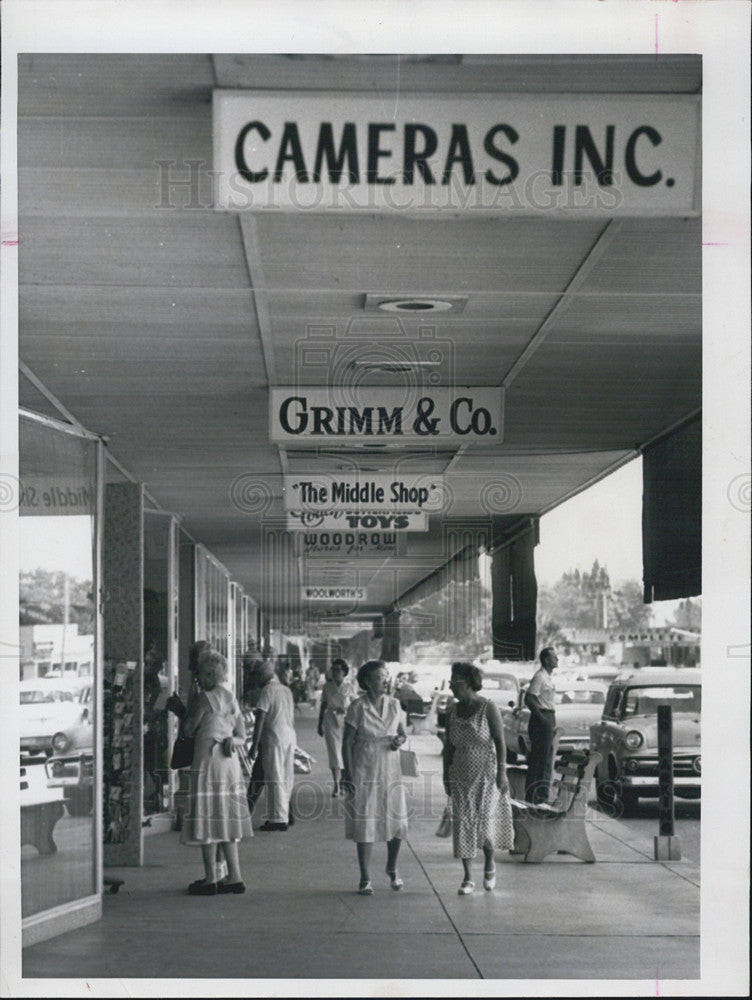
(625, 917)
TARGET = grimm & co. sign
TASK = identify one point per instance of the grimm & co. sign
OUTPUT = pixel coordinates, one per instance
(330, 415)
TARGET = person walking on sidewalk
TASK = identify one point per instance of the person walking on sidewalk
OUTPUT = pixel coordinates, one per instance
(475, 776)
(336, 696)
(540, 700)
(274, 736)
(375, 804)
(217, 809)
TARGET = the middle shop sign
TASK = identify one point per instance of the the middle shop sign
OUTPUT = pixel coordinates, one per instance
(314, 417)
(372, 493)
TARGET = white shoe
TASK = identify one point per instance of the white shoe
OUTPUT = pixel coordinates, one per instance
(466, 888)
(489, 880)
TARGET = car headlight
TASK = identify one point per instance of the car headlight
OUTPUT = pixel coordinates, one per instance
(697, 765)
(633, 739)
(60, 742)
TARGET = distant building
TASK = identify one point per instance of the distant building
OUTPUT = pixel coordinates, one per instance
(645, 647)
(55, 651)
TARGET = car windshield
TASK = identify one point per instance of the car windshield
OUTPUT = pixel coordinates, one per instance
(40, 697)
(645, 700)
(581, 696)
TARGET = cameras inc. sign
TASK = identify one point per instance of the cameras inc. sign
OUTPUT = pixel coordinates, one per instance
(595, 154)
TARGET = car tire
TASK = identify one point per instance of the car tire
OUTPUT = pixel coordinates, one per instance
(605, 792)
(79, 802)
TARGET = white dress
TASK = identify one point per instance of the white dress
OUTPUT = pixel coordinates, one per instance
(217, 805)
(337, 699)
(277, 747)
(376, 808)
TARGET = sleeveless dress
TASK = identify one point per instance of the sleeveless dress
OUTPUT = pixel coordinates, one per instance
(217, 806)
(480, 812)
(377, 808)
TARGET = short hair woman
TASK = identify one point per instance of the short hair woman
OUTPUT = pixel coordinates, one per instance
(217, 809)
(376, 805)
(475, 776)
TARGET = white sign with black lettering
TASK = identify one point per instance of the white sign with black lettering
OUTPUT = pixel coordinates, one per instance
(322, 544)
(590, 155)
(331, 415)
(334, 595)
(373, 493)
(350, 520)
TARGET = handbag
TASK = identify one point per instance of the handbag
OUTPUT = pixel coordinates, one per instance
(445, 824)
(409, 764)
(182, 751)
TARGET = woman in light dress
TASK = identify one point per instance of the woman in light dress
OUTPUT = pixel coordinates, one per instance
(274, 735)
(336, 696)
(217, 808)
(475, 776)
(375, 805)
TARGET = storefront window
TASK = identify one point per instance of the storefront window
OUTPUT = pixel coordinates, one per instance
(212, 600)
(58, 704)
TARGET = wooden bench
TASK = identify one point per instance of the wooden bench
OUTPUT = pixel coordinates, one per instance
(540, 830)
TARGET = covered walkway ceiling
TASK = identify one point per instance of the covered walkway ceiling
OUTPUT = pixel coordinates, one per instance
(162, 323)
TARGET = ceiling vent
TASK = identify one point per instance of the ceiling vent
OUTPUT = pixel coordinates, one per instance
(414, 305)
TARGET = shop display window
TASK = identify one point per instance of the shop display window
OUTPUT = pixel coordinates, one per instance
(58, 682)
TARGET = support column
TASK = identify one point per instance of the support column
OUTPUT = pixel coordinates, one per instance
(515, 595)
(390, 642)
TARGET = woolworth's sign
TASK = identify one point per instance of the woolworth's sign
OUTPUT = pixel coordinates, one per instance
(596, 154)
(314, 417)
(334, 595)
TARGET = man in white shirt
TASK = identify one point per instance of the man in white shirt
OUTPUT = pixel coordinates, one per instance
(540, 700)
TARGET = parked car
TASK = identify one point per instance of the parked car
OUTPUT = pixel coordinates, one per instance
(52, 719)
(627, 735)
(578, 705)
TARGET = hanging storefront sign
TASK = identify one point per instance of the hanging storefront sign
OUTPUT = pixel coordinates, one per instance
(372, 494)
(330, 415)
(329, 544)
(333, 595)
(350, 520)
(590, 155)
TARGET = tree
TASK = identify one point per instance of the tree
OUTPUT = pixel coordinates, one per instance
(42, 600)
(577, 601)
(688, 615)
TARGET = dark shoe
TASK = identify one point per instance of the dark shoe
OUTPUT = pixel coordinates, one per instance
(269, 826)
(194, 885)
(203, 889)
(291, 820)
(236, 887)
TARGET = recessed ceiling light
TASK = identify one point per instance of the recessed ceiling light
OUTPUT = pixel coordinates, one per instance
(414, 305)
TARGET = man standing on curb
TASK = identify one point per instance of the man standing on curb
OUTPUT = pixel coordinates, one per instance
(540, 700)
